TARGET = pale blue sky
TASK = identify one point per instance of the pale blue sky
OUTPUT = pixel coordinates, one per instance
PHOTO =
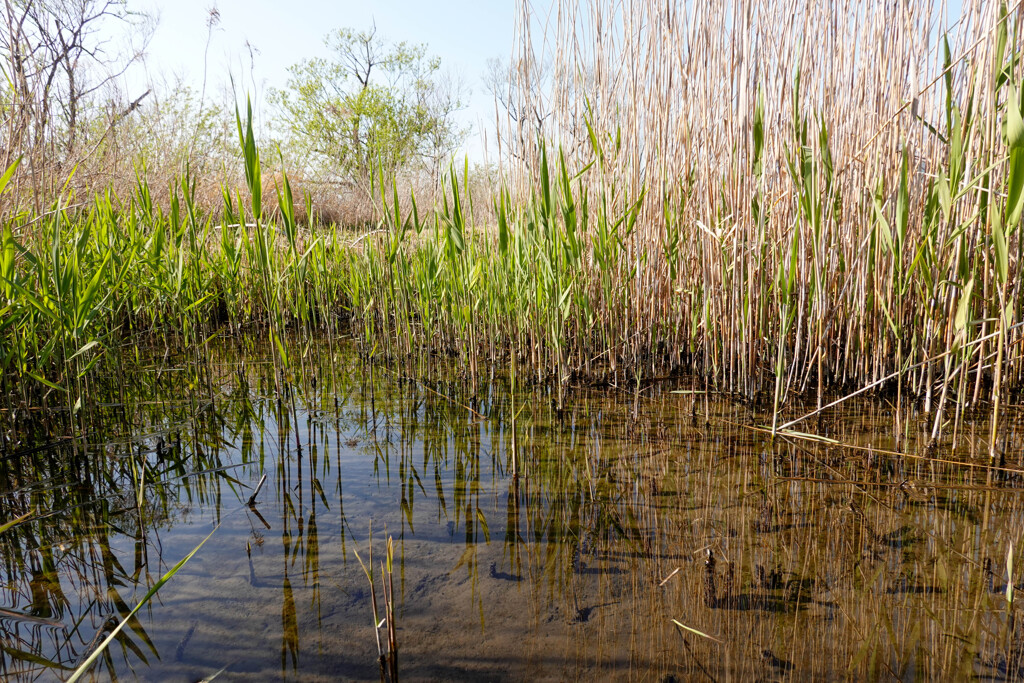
(463, 33)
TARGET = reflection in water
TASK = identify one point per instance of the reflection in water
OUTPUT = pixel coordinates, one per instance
(805, 559)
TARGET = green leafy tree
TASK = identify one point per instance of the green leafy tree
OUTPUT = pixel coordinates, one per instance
(371, 106)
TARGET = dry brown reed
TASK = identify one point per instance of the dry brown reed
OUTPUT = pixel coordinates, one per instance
(771, 140)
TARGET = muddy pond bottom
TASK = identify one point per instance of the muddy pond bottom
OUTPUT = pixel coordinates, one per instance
(612, 538)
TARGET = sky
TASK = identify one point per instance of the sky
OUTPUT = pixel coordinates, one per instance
(463, 33)
(256, 41)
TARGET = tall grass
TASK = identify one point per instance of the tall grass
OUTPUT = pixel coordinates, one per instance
(831, 191)
(78, 284)
(703, 191)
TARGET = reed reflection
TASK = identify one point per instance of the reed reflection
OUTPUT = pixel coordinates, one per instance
(598, 535)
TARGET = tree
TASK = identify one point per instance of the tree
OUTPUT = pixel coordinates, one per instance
(56, 55)
(371, 106)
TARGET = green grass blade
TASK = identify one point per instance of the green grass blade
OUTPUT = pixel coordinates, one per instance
(14, 522)
(84, 667)
(695, 631)
(8, 174)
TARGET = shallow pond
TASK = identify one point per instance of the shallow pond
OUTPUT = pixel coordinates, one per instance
(651, 535)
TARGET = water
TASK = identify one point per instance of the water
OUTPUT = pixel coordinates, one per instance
(795, 559)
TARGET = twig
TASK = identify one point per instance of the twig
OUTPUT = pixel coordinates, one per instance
(363, 237)
(451, 400)
(882, 451)
(665, 580)
(116, 120)
(259, 487)
(897, 373)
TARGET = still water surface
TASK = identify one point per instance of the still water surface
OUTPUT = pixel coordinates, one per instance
(650, 536)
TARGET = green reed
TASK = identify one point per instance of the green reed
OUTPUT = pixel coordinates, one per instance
(574, 277)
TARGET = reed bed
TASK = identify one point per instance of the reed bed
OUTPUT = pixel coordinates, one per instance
(686, 190)
(829, 192)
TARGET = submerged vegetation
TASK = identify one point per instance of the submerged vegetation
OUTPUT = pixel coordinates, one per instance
(836, 557)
